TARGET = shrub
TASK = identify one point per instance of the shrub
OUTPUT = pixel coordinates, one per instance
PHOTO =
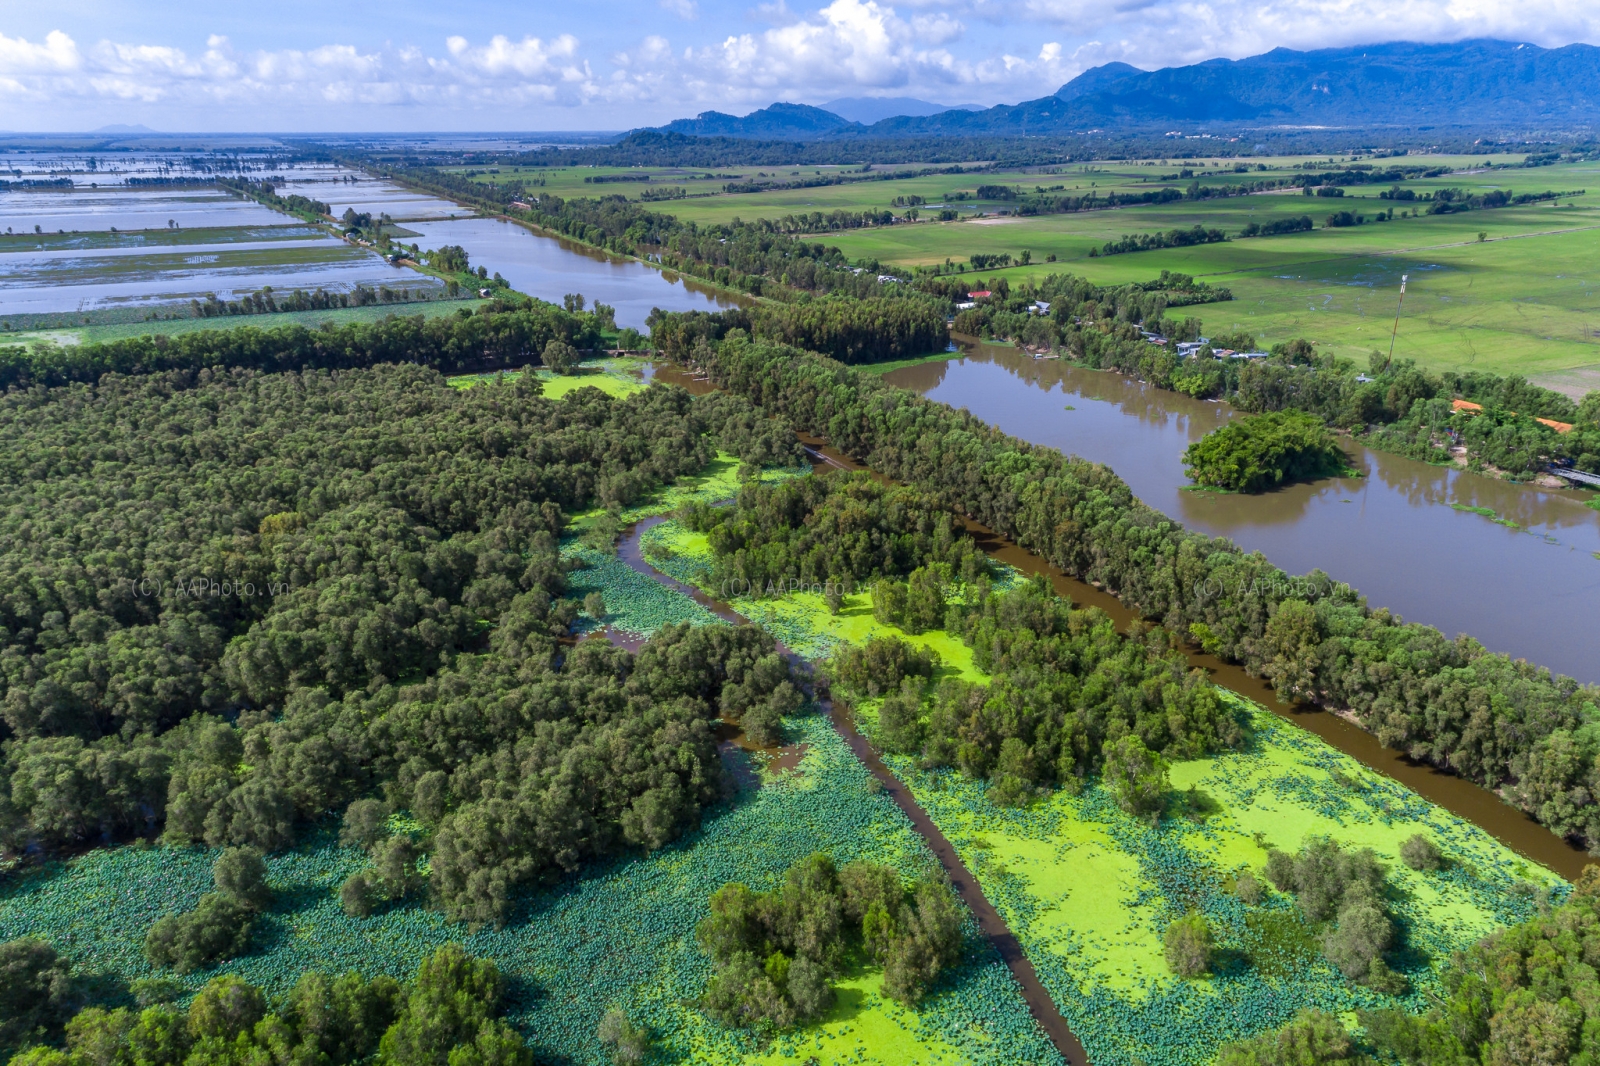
(1313, 1038)
(1248, 888)
(881, 664)
(366, 821)
(217, 929)
(1188, 945)
(628, 1044)
(1420, 853)
(560, 357)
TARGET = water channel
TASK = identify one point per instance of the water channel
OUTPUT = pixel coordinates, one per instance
(1395, 534)
(549, 268)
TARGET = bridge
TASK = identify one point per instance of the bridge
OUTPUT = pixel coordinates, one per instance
(1576, 475)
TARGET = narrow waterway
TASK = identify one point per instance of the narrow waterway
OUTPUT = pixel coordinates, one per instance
(1400, 534)
(990, 924)
(548, 268)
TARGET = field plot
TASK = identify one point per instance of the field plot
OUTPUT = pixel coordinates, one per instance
(1089, 890)
(115, 254)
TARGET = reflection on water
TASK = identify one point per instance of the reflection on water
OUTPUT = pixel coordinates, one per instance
(549, 269)
(1532, 591)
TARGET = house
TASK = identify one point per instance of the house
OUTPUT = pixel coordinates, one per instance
(984, 295)
(1041, 307)
(969, 305)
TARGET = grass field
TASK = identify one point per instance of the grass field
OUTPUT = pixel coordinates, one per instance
(1088, 890)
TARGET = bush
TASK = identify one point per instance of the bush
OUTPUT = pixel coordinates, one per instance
(1314, 1038)
(1420, 853)
(881, 665)
(1188, 945)
(366, 821)
(1347, 887)
(1248, 888)
(1260, 452)
(628, 1044)
(217, 929)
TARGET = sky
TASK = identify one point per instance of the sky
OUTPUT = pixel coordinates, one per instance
(536, 65)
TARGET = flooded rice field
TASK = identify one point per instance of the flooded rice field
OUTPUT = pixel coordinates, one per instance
(1523, 578)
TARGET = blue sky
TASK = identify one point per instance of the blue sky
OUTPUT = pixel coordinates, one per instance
(188, 65)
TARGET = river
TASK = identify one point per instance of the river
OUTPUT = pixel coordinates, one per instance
(549, 268)
(1396, 534)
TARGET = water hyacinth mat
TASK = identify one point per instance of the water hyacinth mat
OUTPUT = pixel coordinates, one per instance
(1089, 890)
(621, 933)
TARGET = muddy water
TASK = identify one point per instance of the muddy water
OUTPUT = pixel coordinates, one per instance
(1532, 591)
(1457, 795)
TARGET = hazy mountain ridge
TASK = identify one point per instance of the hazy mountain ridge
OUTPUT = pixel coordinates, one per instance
(1473, 82)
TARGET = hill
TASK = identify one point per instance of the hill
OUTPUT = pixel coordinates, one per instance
(781, 121)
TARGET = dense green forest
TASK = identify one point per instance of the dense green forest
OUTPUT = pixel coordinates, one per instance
(502, 334)
(449, 1013)
(1261, 452)
(238, 602)
(1501, 722)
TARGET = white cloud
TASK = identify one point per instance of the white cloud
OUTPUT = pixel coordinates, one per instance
(684, 9)
(20, 56)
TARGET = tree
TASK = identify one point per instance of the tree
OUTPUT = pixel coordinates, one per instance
(594, 605)
(561, 357)
(1188, 945)
(450, 1001)
(366, 821)
(241, 875)
(217, 929)
(1136, 775)
(35, 993)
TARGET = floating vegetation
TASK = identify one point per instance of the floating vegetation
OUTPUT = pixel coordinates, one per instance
(621, 933)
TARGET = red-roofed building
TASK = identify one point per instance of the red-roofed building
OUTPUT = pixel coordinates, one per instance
(984, 295)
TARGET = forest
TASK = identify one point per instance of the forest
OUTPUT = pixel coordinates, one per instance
(239, 603)
(1499, 722)
(448, 1013)
(501, 334)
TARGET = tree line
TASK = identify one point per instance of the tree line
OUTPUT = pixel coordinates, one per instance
(1497, 721)
(317, 589)
(504, 333)
(449, 1014)
(852, 331)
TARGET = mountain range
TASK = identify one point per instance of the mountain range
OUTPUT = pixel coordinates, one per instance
(1465, 83)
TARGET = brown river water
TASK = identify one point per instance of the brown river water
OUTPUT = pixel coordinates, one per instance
(1396, 534)
(1460, 797)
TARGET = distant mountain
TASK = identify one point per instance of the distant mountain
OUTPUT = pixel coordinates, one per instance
(1096, 79)
(1475, 82)
(1467, 83)
(780, 122)
(120, 128)
(869, 109)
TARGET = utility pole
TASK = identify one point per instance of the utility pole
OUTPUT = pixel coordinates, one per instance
(1396, 331)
